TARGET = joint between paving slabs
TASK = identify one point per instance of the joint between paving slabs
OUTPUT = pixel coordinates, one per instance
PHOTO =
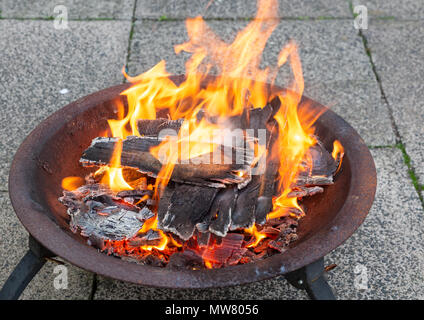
(93, 287)
(399, 143)
(130, 37)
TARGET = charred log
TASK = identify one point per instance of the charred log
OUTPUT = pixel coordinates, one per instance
(244, 211)
(221, 211)
(201, 170)
(267, 183)
(188, 259)
(187, 206)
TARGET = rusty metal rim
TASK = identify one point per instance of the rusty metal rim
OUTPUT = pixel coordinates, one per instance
(50, 235)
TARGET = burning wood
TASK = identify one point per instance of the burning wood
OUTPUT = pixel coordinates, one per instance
(209, 172)
(200, 170)
(184, 206)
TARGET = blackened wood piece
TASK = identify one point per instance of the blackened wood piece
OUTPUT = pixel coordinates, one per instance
(300, 192)
(244, 212)
(203, 239)
(134, 193)
(267, 184)
(150, 238)
(188, 259)
(187, 206)
(252, 118)
(323, 167)
(229, 251)
(222, 208)
(154, 127)
(136, 154)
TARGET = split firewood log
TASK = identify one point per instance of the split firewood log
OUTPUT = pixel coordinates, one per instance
(199, 170)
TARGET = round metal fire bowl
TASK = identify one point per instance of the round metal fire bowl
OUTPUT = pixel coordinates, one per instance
(52, 150)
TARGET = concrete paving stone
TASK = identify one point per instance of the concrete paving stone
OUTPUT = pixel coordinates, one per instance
(274, 289)
(401, 71)
(76, 9)
(39, 61)
(404, 10)
(236, 9)
(336, 69)
(384, 259)
(14, 244)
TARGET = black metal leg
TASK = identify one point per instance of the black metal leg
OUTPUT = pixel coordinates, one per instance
(312, 278)
(27, 268)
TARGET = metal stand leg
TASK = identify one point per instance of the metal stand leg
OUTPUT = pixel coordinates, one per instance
(27, 268)
(312, 279)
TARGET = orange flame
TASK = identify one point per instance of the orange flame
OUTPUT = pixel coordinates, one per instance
(72, 183)
(338, 153)
(257, 235)
(241, 85)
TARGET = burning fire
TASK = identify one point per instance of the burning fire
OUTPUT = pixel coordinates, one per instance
(240, 85)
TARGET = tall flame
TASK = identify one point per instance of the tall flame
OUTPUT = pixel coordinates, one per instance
(241, 85)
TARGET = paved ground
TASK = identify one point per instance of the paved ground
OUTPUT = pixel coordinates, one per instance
(373, 78)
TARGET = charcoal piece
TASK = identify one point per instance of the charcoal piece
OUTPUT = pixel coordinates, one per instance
(282, 223)
(270, 231)
(304, 179)
(119, 225)
(277, 245)
(154, 127)
(300, 192)
(253, 256)
(262, 246)
(136, 154)
(113, 201)
(154, 261)
(188, 259)
(230, 250)
(203, 239)
(221, 211)
(134, 193)
(244, 211)
(145, 214)
(267, 180)
(150, 238)
(319, 167)
(184, 206)
(236, 256)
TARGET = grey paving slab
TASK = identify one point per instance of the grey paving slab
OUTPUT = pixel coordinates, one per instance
(336, 69)
(235, 9)
(38, 62)
(76, 9)
(384, 259)
(405, 10)
(275, 289)
(401, 71)
(13, 245)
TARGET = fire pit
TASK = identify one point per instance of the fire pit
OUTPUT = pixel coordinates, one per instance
(257, 181)
(53, 149)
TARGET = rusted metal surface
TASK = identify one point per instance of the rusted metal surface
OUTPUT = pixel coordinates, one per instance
(51, 152)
